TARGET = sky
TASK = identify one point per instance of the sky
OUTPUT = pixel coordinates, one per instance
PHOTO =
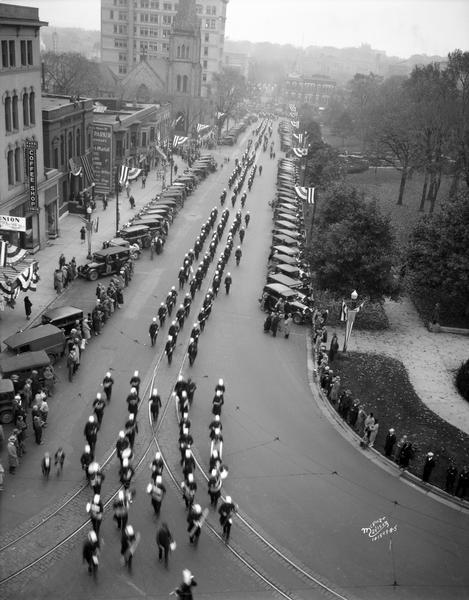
(399, 27)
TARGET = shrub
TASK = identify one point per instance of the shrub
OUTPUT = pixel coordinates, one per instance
(462, 380)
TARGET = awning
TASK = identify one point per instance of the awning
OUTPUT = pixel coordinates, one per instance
(88, 168)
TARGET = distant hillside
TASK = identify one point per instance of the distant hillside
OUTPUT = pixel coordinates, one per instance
(71, 39)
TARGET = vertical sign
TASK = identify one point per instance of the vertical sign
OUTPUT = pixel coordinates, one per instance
(30, 161)
(102, 157)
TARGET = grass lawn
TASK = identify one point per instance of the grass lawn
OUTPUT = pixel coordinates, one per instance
(382, 386)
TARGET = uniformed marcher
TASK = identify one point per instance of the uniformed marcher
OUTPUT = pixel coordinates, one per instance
(180, 385)
(195, 332)
(247, 218)
(108, 382)
(187, 304)
(181, 315)
(238, 255)
(90, 552)
(96, 477)
(157, 491)
(169, 349)
(185, 443)
(155, 405)
(241, 234)
(215, 424)
(184, 591)
(91, 432)
(216, 443)
(121, 445)
(194, 523)
(162, 312)
(129, 542)
(157, 466)
(192, 351)
(131, 429)
(86, 459)
(132, 401)
(95, 510)
(214, 487)
(226, 512)
(135, 382)
(121, 510)
(184, 423)
(173, 330)
(193, 287)
(191, 387)
(153, 331)
(228, 282)
(217, 403)
(98, 407)
(189, 488)
(126, 473)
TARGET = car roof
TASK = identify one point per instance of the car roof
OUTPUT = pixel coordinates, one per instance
(24, 337)
(134, 228)
(61, 311)
(286, 224)
(287, 250)
(291, 233)
(282, 289)
(10, 364)
(285, 280)
(6, 385)
(110, 251)
(286, 259)
(288, 268)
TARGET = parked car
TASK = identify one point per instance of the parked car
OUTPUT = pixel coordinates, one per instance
(286, 240)
(137, 234)
(7, 393)
(273, 292)
(50, 338)
(294, 284)
(19, 368)
(63, 317)
(105, 262)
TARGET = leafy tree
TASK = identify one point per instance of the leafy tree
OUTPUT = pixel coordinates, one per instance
(323, 167)
(70, 73)
(458, 71)
(230, 91)
(354, 245)
(437, 255)
(363, 90)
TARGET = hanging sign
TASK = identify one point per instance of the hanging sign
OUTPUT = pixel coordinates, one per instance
(11, 223)
(30, 162)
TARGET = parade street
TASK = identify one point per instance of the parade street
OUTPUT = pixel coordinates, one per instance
(297, 482)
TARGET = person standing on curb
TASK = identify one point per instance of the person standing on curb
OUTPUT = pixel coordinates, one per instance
(27, 307)
(428, 466)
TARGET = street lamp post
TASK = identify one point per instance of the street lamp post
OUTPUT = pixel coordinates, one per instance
(89, 229)
(350, 310)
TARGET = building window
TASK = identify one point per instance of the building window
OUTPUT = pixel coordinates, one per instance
(78, 142)
(122, 57)
(144, 3)
(122, 69)
(8, 113)
(18, 171)
(144, 17)
(144, 138)
(185, 81)
(144, 31)
(56, 158)
(205, 51)
(178, 52)
(32, 108)
(178, 83)
(29, 50)
(199, 9)
(205, 64)
(70, 144)
(204, 77)
(23, 52)
(167, 6)
(11, 48)
(111, 14)
(15, 112)
(167, 19)
(11, 168)
(213, 24)
(214, 10)
(155, 5)
(116, 29)
(207, 38)
(62, 149)
(122, 16)
(25, 110)
(5, 54)
(154, 19)
(152, 134)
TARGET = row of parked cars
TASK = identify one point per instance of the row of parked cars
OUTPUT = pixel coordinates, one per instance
(231, 136)
(288, 278)
(149, 223)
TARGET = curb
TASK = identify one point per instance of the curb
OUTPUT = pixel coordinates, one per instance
(376, 457)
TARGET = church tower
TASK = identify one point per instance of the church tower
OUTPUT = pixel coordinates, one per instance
(185, 71)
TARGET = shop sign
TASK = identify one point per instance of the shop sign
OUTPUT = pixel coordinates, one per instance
(102, 156)
(30, 162)
(11, 223)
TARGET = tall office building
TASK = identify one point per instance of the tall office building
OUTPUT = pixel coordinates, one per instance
(135, 30)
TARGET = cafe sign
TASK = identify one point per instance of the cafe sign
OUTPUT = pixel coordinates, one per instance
(11, 223)
(30, 161)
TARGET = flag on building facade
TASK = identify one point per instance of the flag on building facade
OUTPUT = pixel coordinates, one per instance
(3, 253)
(300, 152)
(178, 140)
(123, 175)
(305, 193)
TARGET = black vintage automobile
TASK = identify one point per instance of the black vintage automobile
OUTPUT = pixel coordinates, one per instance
(105, 262)
(137, 234)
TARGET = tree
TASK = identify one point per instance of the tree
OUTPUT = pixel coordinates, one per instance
(391, 130)
(230, 91)
(70, 73)
(362, 94)
(437, 260)
(458, 71)
(354, 246)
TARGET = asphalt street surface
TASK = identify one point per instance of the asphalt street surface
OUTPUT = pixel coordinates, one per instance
(293, 476)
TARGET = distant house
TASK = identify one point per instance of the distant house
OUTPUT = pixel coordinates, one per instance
(315, 90)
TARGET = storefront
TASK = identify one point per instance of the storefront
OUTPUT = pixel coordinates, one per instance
(51, 205)
(29, 240)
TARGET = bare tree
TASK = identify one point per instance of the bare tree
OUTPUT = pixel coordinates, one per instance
(70, 73)
(230, 91)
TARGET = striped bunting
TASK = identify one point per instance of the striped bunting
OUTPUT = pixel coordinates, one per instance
(300, 152)
(201, 127)
(179, 140)
(123, 175)
(3, 253)
(87, 167)
(27, 279)
(295, 124)
(304, 193)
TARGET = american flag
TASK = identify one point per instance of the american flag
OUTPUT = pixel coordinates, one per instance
(305, 193)
(3, 253)
(178, 140)
(300, 152)
(123, 175)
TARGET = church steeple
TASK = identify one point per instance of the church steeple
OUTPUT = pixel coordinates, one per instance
(186, 18)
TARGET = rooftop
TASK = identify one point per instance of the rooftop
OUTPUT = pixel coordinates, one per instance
(11, 14)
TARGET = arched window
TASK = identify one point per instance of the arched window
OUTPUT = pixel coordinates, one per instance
(70, 144)
(179, 52)
(55, 159)
(185, 80)
(11, 168)
(78, 142)
(62, 149)
(178, 83)
(15, 112)
(187, 52)
(18, 170)
(25, 110)
(183, 51)
(8, 113)
(32, 108)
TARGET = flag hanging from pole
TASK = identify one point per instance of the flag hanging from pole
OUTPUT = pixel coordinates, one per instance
(343, 311)
(123, 175)
(178, 140)
(305, 193)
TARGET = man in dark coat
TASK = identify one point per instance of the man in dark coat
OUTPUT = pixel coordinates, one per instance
(164, 539)
(389, 443)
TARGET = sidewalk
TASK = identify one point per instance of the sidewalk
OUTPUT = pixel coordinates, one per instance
(431, 359)
(68, 242)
